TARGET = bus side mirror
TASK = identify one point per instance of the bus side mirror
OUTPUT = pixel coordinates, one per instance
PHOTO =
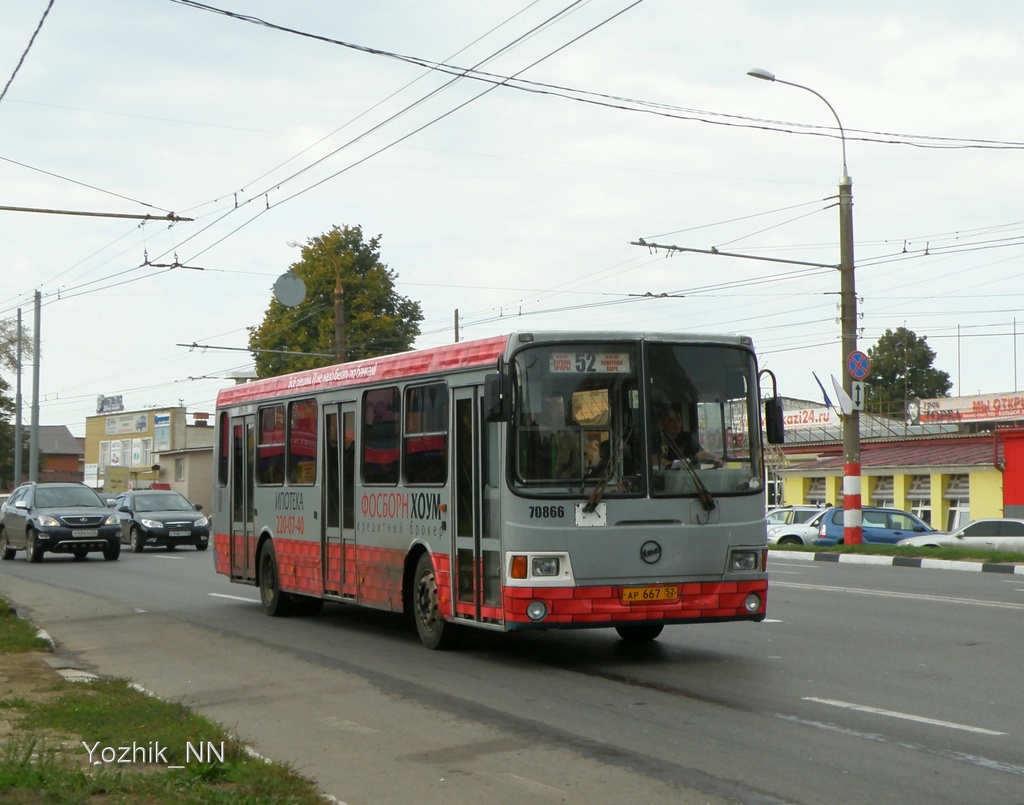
(497, 397)
(773, 425)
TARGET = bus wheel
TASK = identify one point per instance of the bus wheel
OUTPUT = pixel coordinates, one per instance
(275, 602)
(639, 632)
(434, 632)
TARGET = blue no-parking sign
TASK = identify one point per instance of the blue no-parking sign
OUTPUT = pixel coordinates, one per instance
(858, 365)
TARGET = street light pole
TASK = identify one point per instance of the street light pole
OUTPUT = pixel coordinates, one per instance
(852, 515)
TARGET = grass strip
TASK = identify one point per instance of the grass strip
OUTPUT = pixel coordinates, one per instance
(78, 743)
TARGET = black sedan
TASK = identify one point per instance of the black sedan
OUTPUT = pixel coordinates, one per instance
(160, 517)
(57, 518)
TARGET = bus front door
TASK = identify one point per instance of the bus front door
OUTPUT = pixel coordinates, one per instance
(476, 551)
(338, 523)
(243, 533)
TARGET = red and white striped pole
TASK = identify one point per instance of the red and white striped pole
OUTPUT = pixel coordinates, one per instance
(852, 520)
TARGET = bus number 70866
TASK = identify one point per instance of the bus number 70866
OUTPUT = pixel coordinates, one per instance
(547, 512)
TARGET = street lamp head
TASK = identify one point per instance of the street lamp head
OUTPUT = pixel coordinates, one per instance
(764, 75)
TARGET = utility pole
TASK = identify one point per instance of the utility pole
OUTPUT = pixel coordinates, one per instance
(339, 319)
(17, 413)
(853, 517)
(33, 449)
(852, 513)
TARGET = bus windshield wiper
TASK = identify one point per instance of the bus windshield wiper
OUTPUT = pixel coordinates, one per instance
(609, 471)
(707, 500)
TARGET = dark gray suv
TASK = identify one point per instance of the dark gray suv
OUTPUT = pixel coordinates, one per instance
(58, 518)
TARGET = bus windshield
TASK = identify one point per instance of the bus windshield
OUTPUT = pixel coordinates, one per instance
(653, 418)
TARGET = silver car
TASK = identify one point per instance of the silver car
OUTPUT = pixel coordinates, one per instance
(995, 534)
(786, 515)
(796, 533)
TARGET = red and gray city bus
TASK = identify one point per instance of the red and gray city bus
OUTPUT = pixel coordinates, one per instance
(513, 482)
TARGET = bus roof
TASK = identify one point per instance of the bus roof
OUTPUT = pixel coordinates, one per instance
(476, 354)
(464, 355)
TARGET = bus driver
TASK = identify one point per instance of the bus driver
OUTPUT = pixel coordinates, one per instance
(675, 445)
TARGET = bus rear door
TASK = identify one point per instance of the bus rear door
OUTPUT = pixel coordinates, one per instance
(338, 523)
(243, 467)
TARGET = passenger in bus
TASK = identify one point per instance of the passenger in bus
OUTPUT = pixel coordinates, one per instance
(674, 445)
(604, 454)
(560, 453)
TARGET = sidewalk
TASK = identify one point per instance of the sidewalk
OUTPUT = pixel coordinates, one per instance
(899, 561)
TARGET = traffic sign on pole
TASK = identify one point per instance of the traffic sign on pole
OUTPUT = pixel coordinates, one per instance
(858, 365)
(857, 392)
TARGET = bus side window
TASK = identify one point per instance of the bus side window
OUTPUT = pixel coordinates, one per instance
(381, 420)
(302, 438)
(425, 447)
(270, 446)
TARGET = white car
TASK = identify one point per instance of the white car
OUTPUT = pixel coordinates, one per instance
(795, 533)
(996, 534)
(784, 515)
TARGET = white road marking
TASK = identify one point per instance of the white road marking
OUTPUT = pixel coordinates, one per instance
(941, 599)
(234, 598)
(535, 786)
(348, 726)
(863, 708)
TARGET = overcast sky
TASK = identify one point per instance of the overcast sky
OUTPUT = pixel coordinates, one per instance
(515, 204)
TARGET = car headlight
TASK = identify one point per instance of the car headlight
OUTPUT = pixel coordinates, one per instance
(112, 520)
(151, 523)
(202, 521)
(46, 521)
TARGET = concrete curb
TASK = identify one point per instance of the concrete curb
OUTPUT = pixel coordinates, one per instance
(898, 561)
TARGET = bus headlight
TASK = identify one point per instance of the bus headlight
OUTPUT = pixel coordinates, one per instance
(545, 566)
(536, 610)
(752, 603)
(743, 560)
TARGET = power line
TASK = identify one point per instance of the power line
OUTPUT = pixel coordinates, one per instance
(89, 186)
(88, 214)
(28, 47)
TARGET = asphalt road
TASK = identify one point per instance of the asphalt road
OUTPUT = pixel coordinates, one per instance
(866, 684)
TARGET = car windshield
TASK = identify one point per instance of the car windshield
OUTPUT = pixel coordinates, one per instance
(163, 502)
(56, 496)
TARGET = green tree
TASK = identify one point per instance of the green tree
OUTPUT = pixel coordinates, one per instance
(9, 343)
(7, 479)
(9, 360)
(378, 321)
(901, 370)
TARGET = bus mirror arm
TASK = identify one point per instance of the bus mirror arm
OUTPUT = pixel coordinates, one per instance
(773, 417)
(497, 397)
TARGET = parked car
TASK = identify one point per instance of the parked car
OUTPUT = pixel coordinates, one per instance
(788, 515)
(996, 534)
(879, 526)
(57, 518)
(796, 533)
(161, 517)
